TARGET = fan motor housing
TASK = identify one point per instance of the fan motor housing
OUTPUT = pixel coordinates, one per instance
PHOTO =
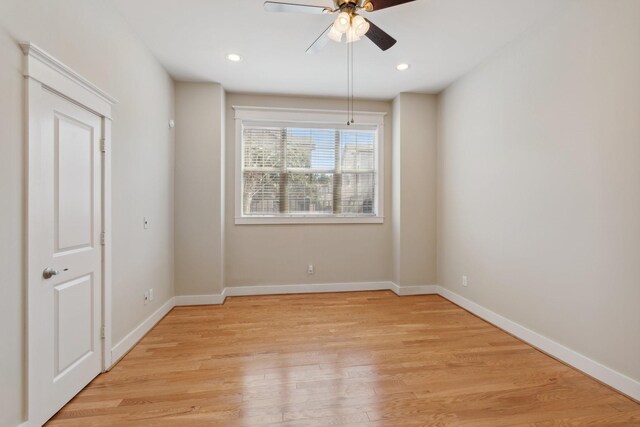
(353, 4)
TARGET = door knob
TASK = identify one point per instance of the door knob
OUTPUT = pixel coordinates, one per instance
(49, 272)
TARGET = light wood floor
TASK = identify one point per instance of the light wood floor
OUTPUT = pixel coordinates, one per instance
(349, 359)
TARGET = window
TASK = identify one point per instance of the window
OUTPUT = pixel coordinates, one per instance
(299, 166)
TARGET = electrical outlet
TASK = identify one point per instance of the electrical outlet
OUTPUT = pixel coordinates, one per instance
(150, 294)
(310, 269)
(146, 297)
(465, 282)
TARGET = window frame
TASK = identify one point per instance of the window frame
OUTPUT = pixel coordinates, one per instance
(307, 117)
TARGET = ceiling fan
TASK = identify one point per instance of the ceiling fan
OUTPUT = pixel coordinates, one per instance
(348, 22)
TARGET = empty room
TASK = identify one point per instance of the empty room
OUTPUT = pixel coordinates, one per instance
(319, 213)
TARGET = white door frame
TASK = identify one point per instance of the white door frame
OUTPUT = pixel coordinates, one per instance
(42, 70)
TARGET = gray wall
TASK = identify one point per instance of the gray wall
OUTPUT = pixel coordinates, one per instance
(539, 182)
(279, 254)
(199, 219)
(91, 38)
(414, 189)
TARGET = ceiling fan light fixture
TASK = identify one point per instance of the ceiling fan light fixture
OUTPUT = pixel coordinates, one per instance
(343, 22)
(360, 25)
(334, 34)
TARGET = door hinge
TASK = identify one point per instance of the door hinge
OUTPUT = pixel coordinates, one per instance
(103, 146)
(102, 332)
(102, 238)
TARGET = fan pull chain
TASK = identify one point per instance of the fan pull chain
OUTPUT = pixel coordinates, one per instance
(350, 84)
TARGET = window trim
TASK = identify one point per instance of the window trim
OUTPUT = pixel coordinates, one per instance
(271, 116)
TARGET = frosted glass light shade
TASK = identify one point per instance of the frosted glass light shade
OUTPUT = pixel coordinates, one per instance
(334, 34)
(343, 22)
(352, 36)
(360, 24)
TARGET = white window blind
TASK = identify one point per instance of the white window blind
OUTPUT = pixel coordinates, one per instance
(309, 170)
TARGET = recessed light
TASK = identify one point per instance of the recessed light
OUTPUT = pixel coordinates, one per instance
(402, 67)
(234, 57)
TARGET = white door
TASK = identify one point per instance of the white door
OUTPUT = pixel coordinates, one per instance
(65, 251)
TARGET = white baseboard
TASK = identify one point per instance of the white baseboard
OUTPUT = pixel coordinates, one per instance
(608, 376)
(415, 290)
(308, 288)
(212, 299)
(239, 291)
(132, 338)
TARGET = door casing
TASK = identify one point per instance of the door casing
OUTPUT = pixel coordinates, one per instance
(43, 71)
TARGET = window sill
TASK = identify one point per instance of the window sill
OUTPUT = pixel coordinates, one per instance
(266, 220)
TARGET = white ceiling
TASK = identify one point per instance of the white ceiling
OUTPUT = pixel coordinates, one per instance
(441, 39)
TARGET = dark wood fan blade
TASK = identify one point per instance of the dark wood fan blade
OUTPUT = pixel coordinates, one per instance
(383, 4)
(320, 42)
(381, 39)
(274, 6)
